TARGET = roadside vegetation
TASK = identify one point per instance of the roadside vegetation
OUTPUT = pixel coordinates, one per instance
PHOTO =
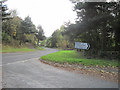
(100, 29)
(18, 32)
(70, 60)
(9, 49)
(72, 57)
(40, 48)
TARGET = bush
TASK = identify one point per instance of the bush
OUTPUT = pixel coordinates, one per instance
(5, 37)
(103, 54)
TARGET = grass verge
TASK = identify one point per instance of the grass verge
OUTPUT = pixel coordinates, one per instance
(13, 49)
(40, 48)
(71, 57)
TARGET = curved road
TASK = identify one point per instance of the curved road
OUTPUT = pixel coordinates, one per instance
(24, 70)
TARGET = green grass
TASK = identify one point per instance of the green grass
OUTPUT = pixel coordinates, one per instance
(71, 57)
(12, 49)
(40, 48)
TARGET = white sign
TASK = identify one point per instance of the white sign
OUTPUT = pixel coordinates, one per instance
(80, 45)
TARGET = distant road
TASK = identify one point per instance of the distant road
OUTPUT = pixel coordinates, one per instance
(24, 70)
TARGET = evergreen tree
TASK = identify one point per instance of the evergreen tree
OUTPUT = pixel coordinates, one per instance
(27, 26)
(97, 24)
(40, 35)
(5, 15)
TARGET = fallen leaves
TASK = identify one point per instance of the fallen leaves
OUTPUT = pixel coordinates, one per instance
(106, 73)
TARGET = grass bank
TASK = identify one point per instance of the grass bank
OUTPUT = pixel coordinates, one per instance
(40, 48)
(9, 49)
(72, 57)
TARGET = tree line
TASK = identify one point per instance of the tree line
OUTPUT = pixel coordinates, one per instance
(17, 31)
(97, 23)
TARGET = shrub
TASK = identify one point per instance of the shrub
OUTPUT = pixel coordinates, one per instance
(5, 37)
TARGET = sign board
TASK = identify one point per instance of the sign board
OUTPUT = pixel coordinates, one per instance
(80, 45)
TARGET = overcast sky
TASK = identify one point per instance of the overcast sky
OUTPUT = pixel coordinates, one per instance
(51, 14)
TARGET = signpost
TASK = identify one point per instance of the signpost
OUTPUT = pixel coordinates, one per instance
(83, 46)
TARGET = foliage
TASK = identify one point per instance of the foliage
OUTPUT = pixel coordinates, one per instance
(48, 42)
(6, 37)
(71, 57)
(40, 35)
(3, 11)
(12, 26)
(27, 26)
(97, 24)
(16, 31)
(30, 38)
(58, 39)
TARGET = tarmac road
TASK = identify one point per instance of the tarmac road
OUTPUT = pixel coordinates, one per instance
(24, 70)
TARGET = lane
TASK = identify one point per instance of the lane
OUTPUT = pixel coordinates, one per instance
(0, 69)
(0, 77)
(13, 57)
(34, 74)
(31, 73)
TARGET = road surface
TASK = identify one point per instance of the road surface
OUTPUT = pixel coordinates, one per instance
(24, 70)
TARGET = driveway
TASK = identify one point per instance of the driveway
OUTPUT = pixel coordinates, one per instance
(24, 70)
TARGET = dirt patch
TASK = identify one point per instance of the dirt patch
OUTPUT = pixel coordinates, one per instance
(105, 73)
(29, 45)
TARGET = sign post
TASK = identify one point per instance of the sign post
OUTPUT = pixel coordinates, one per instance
(83, 46)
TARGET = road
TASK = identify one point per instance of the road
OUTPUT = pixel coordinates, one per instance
(24, 70)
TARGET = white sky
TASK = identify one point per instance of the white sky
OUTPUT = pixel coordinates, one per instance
(50, 14)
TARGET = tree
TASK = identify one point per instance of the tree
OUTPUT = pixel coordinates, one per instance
(96, 24)
(3, 8)
(12, 26)
(40, 35)
(48, 42)
(11, 29)
(16, 31)
(13, 12)
(27, 29)
(27, 26)
(58, 39)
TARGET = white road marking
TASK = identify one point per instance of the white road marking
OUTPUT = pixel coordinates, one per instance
(19, 61)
